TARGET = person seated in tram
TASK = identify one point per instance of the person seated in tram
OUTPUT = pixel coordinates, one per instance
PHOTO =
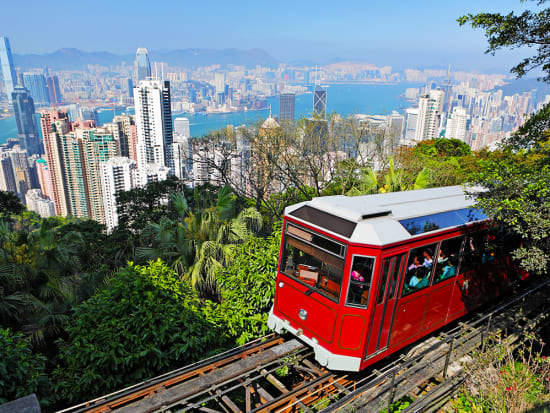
(450, 269)
(420, 278)
(428, 260)
(443, 257)
(415, 264)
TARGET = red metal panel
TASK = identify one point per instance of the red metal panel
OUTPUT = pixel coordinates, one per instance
(438, 304)
(321, 318)
(351, 332)
(409, 317)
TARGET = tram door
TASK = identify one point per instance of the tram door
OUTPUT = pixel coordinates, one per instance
(384, 306)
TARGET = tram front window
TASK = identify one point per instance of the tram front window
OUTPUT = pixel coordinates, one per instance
(319, 269)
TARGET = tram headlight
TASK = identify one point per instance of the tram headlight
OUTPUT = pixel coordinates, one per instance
(302, 314)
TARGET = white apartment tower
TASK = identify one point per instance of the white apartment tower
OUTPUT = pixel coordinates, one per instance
(430, 107)
(117, 174)
(154, 123)
(456, 124)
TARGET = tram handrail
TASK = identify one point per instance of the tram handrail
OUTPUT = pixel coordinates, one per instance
(408, 363)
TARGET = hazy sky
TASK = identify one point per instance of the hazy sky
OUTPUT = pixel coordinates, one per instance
(399, 32)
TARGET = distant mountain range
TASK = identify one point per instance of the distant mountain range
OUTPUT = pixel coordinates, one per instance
(75, 59)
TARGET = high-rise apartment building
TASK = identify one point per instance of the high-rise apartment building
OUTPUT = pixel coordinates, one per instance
(117, 174)
(430, 107)
(21, 170)
(287, 102)
(181, 127)
(123, 130)
(411, 119)
(319, 102)
(8, 70)
(143, 65)
(457, 123)
(154, 123)
(181, 150)
(54, 92)
(44, 178)
(55, 125)
(35, 83)
(87, 148)
(7, 179)
(37, 203)
(27, 132)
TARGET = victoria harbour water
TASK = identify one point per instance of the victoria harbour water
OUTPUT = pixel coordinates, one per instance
(344, 99)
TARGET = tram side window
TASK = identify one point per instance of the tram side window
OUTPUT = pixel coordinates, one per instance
(319, 269)
(360, 281)
(472, 254)
(447, 260)
(419, 269)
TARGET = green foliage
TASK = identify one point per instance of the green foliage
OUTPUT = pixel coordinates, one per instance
(517, 179)
(442, 148)
(143, 323)
(399, 405)
(140, 206)
(22, 372)
(248, 287)
(507, 379)
(10, 204)
(391, 180)
(530, 28)
(465, 403)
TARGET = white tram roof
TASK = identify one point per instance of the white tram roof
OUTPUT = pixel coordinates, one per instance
(382, 219)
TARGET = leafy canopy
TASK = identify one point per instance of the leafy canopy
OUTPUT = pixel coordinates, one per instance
(144, 323)
(530, 29)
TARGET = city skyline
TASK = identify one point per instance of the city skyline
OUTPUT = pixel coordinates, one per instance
(310, 31)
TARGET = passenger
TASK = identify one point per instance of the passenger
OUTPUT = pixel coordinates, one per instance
(443, 257)
(418, 280)
(415, 263)
(450, 269)
(428, 260)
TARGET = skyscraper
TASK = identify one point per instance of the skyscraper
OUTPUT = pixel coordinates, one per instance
(286, 107)
(7, 179)
(130, 87)
(319, 101)
(456, 124)
(55, 125)
(143, 65)
(23, 107)
(35, 83)
(430, 107)
(54, 92)
(117, 174)
(154, 123)
(8, 71)
(181, 127)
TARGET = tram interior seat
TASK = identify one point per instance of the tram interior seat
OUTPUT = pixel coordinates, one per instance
(308, 273)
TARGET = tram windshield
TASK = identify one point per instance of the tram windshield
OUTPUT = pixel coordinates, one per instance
(313, 260)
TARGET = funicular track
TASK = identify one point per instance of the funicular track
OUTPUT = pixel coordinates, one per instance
(244, 379)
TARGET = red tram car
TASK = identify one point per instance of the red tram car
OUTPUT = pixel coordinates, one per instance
(362, 277)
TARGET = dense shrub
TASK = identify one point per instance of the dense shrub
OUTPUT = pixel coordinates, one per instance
(143, 323)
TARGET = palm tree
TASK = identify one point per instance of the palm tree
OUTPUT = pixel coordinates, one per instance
(392, 181)
(199, 243)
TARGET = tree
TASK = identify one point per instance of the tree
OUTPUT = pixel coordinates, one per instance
(10, 204)
(248, 287)
(530, 29)
(392, 180)
(199, 241)
(22, 372)
(517, 177)
(143, 323)
(517, 180)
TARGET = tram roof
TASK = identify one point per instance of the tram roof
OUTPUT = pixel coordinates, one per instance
(382, 219)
